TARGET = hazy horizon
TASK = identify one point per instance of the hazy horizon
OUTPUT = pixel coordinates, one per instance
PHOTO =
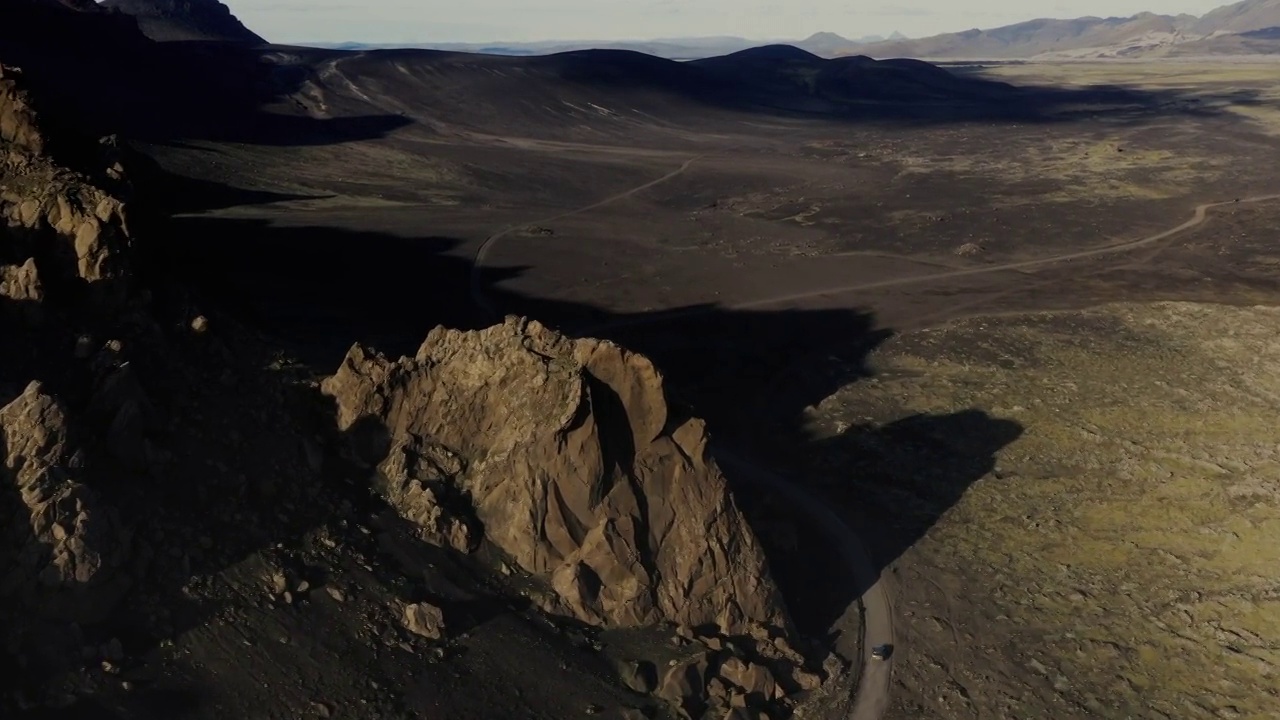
(397, 21)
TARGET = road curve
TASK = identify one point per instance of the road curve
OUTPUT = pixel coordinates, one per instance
(872, 696)
(1198, 217)
(482, 253)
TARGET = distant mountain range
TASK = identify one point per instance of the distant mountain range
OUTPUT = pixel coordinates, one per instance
(1244, 28)
(1251, 27)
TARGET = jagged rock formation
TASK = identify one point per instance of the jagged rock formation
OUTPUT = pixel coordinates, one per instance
(80, 430)
(17, 120)
(719, 676)
(72, 229)
(21, 283)
(562, 454)
(169, 20)
(569, 456)
(64, 550)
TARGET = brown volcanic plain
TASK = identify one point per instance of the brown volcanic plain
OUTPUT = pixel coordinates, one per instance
(760, 251)
(873, 276)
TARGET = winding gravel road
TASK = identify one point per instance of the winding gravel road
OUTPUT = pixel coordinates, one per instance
(482, 253)
(1198, 217)
(872, 695)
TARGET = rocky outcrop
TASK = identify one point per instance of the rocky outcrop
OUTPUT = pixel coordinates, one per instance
(21, 282)
(568, 455)
(718, 674)
(64, 551)
(76, 231)
(18, 127)
(89, 225)
(21, 285)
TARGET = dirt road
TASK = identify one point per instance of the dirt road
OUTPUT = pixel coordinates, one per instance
(1198, 217)
(876, 621)
(872, 696)
(482, 253)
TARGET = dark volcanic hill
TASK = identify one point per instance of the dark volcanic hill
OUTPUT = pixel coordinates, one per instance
(166, 91)
(169, 20)
(782, 71)
(613, 90)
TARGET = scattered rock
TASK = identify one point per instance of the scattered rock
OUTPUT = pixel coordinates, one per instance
(754, 680)
(641, 676)
(833, 665)
(684, 684)
(805, 680)
(21, 282)
(278, 583)
(424, 619)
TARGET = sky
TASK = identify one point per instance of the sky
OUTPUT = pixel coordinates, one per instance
(439, 21)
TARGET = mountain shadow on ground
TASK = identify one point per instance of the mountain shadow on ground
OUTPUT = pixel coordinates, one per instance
(752, 374)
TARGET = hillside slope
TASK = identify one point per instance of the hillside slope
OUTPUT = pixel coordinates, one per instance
(180, 494)
(170, 20)
(1240, 17)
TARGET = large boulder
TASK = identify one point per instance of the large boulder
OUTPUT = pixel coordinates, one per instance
(63, 552)
(570, 458)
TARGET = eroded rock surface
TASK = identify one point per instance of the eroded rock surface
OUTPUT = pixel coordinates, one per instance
(424, 619)
(65, 548)
(571, 460)
(17, 120)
